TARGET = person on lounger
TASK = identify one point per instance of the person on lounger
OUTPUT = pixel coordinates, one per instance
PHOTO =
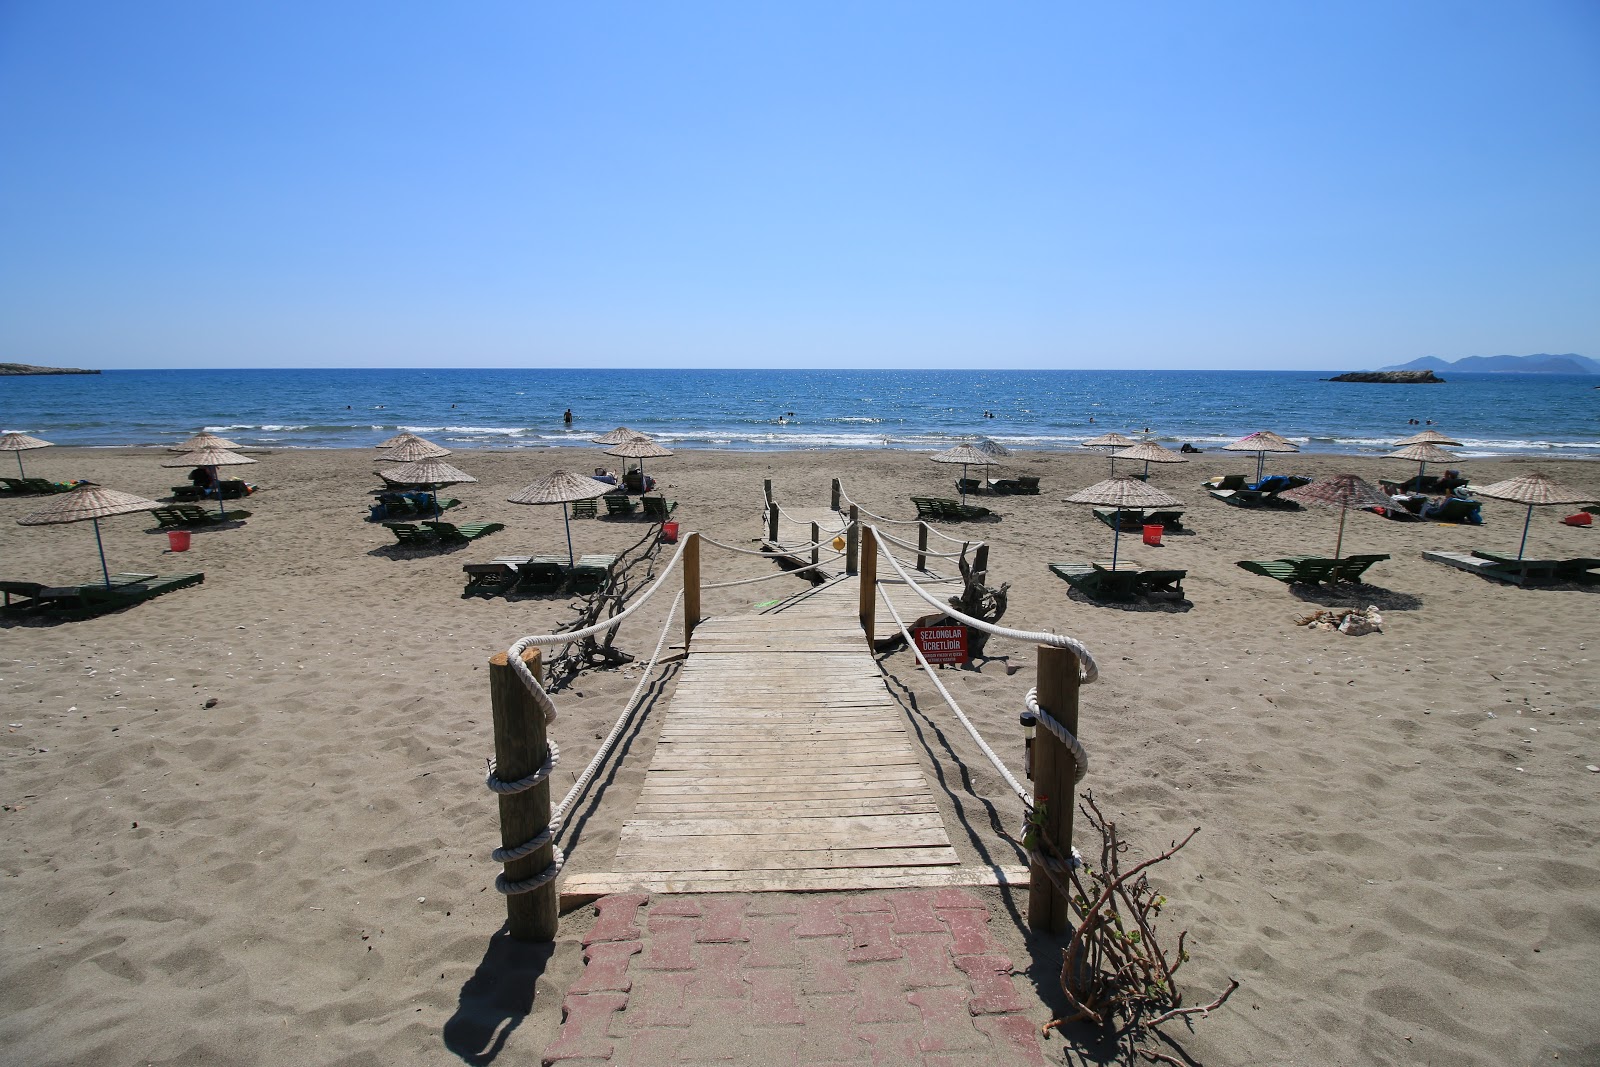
(204, 479)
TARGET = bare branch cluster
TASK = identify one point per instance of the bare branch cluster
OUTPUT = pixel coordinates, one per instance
(635, 569)
(1115, 971)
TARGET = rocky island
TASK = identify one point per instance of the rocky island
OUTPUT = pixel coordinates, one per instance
(24, 368)
(1394, 377)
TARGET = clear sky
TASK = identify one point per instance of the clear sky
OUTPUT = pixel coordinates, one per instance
(224, 183)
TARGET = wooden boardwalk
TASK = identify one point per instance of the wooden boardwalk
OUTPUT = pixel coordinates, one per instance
(840, 596)
(783, 764)
(794, 531)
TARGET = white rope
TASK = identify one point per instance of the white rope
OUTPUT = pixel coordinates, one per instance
(1005, 772)
(919, 550)
(522, 785)
(775, 574)
(1080, 758)
(808, 546)
(1088, 670)
(628, 709)
(544, 877)
(902, 522)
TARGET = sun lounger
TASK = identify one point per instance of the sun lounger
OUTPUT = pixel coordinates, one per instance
(450, 533)
(1454, 509)
(1577, 569)
(27, 591)
(585, 509)
(1100, 583)
(970, 485)
(1027, 485)
(618, 505)
(543, 574)
(1133, 520)
(94, 597)
(592, 572)
(36, 486)
(410, 534)
(939, 509)
(658, 508)
(489, 579)
(1312, 570)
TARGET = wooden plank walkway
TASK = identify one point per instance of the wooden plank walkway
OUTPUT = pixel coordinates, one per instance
(841, 597)
(783, 764)
(794, 532)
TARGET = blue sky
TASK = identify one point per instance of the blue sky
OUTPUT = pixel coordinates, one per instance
(1274, 185)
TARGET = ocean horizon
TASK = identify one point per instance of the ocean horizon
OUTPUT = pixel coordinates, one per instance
(1492, 414)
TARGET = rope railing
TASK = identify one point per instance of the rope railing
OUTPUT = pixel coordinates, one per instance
(775, 554)
(845, 497)
(1088, 670)
(774, 574)
(892, 539)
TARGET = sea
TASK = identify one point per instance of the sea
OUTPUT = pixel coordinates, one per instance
(1491, 414)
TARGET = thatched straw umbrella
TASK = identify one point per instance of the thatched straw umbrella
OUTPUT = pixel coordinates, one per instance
(619, 435)
(90, 502)
(561, 487)
(1424, 454)
(1427, 437)
(1113, 443)
(1261, 442)
(430, 473)
(413, 449)
(398, 439)
(1342, 491)
(1124, 492)
(965, 455)
(1150, 452)
(1534, 490)
(20, 443)
(640, 448)
(202, 440)
(213, 458)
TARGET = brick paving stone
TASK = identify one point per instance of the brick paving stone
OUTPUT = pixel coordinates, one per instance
(819, 917)
(993, 991)
(584, 1021)
(772, 941)
(825, 970)
(775, 998)
(914, 914)
(1017, 1034)
(946, 1023)
(671, 945)
(658, 1000)
(723, 920)
(718, 973)
(606, 967)
(855, 905)
(872, 937)
(616, 921)
(892, 1046)
(928, 961)
(970, 930)
(683, 907)
(883, 1001)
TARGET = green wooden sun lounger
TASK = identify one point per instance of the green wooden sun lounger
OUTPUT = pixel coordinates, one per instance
(195, 515)
(592, 572)
(95, 598)
(1101, 584)
(1312, 570)
(543, 574)
(585, 509)
(658, 508)
(1133, 520)
(27, 591)
(467, 531)
(489, 579)
(35, 486)
(618, 505)
(939, 509)
(1577, 569)
(409, 533)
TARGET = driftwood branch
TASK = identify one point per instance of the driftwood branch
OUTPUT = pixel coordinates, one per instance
(634, 570)
(1233, 983)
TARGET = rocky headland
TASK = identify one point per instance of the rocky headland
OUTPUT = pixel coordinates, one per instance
(1392, 377)
(24, 368)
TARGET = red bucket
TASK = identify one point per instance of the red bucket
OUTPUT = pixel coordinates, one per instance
(669, 532)
(1152, 534)
(178, 540)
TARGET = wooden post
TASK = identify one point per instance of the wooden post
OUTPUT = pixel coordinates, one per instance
(869, 587)
(520, 749)
(1053, 772)
(852, 541)
(835, 501)
(691, 586)
(922, 546)
(816, 550)
(772, 515)
(980, 562)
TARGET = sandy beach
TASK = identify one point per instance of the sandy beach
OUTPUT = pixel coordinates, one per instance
(246, 824)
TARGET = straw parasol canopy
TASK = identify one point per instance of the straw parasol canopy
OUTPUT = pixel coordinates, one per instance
(1424, 454)
(413, 449)
(398, 439)
(432, 473)
(1534, 490)
(1150, 452)
(92, 502)
(1261, 442)
(619, 435)
(993, 448)
(966, 455)
(1342, 491)
(1113, 441)
(210, 457)
(1427, 437)
(560, 487)
(637, 447)
(203, 439)
(1124, 492)
(20, 443)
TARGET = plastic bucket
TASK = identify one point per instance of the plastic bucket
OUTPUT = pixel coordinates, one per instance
(178, 540)
(1152, 534)
(669, 532)
(1582, 518)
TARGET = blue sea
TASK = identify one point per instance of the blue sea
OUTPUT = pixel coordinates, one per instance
(1493, 414)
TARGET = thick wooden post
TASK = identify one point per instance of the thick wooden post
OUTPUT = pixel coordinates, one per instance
(772, 514)
(869, 587)
(691, 586)
(816, 549)
(1053, 772)
(980, 562)
(834, 502)
(922, 546)
(852, 541)
(520, 749)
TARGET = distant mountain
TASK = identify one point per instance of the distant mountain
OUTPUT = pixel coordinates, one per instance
(1542, 363)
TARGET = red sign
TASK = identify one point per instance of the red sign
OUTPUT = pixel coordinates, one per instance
(942, 644)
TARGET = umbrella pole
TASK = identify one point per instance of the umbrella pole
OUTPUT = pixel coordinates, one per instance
(1525, 522)
(1338, 545)
(1147, 470)
(568, 520)
(106, 571)
(963, 483)
(20, 472)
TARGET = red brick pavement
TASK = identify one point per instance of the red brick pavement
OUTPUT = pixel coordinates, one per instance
(904, 977)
